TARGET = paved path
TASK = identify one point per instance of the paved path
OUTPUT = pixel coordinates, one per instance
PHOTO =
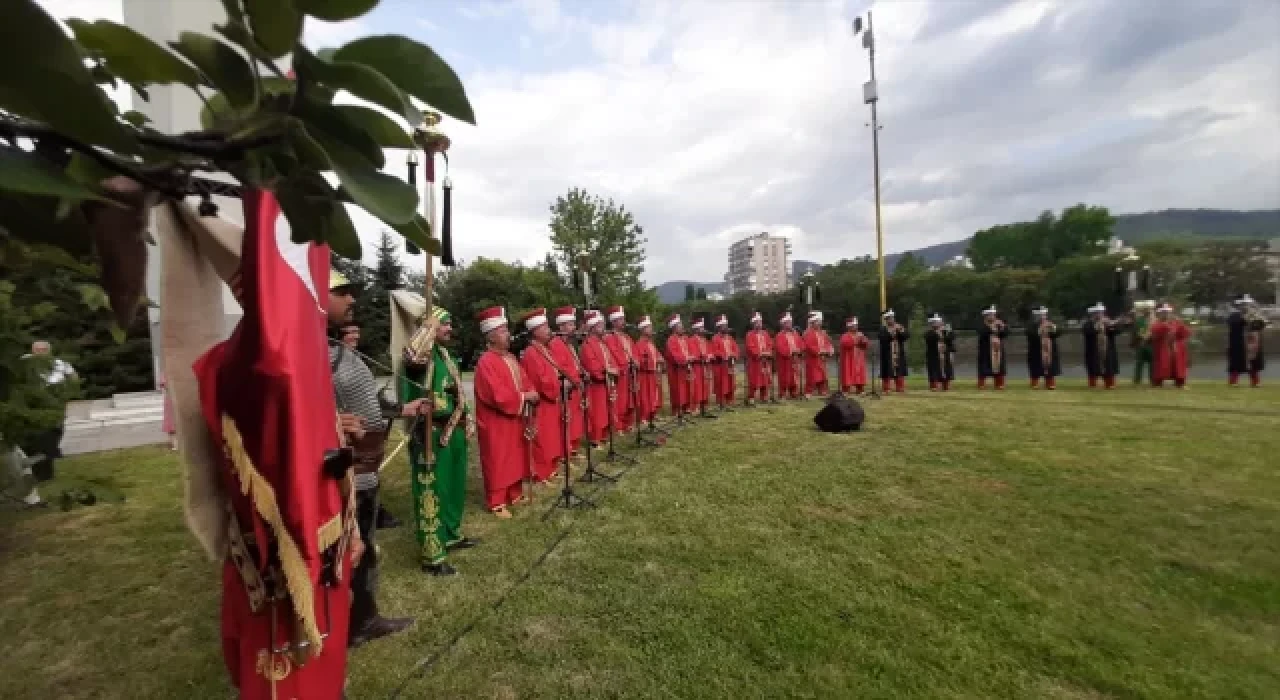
(127, 420)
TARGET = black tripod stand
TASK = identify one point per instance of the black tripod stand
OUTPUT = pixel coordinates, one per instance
(613, 455)
(567, 499)
(592, 475)
(633, 375)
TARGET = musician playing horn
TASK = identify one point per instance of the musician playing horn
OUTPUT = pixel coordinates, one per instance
(817, 350)
(702, 382)
(940, 347)
(679, 357)
(1101, 359)
(724, 357)
(759, 355)
(1169, 356)
(788, 348)
(1043, 361)
(549, 449)
(853, 358)
(648, 369)
(1143, 318)
(602, 373)
(620, 347)
(1245, 328)
(502, 394)
(893, 353)
(992, 360)
(564, 352)
(438, 481)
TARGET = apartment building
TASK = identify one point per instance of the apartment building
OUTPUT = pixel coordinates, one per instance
(759, 263)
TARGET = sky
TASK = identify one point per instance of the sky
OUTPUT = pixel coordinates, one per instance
(713, 119)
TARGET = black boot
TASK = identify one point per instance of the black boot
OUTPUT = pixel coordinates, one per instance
(439, 569)
(378, 628)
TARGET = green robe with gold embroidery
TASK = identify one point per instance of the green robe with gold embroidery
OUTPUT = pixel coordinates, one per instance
(439, 492)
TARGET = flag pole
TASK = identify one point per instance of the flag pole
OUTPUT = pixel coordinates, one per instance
(431, 140)
(871, 95)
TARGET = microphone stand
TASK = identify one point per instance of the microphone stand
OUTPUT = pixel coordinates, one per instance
(633, 374)
(591, 475)
(613, 455)
(567, 499)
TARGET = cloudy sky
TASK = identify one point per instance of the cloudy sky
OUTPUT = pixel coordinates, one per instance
(711, 119)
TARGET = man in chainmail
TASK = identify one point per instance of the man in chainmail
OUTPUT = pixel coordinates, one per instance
(361, 416)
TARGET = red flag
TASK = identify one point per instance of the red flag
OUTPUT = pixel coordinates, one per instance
(267, 396)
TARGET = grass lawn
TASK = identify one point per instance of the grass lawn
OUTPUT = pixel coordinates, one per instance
(1073, 544)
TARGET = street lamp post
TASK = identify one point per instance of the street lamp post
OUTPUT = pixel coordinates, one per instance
(810, 285)
(870, 95)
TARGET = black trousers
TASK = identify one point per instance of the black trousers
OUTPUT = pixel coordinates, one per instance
(364, 579)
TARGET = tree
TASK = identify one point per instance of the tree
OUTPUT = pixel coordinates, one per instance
(1223, 269)
(62, 138)
(909, 265)
(702, 294)
(1081, 230)
(690, 292)
(607, 234)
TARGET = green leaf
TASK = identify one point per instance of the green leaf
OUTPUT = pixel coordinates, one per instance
(336, 10)
(305, 149)
(414, 68)
(384, 196)
(87, 171)
(136, 118)
(234, 10)
(359, 80)
(329, 120)
(224, 67)
(31, 174)
(132, 56)
(45, 79)
(238, 34)
(94, 297)
(387, 133)
(276, 25)
(118, 334)
(418, 231)
(314, 212)
(223, 111)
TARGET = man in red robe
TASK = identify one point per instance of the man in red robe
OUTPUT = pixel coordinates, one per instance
(648, 365)
(602, 374)
(702, 372)
(565, 353)
(759, 360)
(817, 350)
(788, 349)
(853, 358)
(679, 367)
(1169, 358)
(550, 446)
(724, 354)
(619, 344)
(504, 411)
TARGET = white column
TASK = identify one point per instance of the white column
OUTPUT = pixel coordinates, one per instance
(175, 109)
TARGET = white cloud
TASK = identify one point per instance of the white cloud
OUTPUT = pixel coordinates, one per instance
(710, 120)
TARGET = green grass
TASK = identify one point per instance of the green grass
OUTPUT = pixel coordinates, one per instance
(1068, 545)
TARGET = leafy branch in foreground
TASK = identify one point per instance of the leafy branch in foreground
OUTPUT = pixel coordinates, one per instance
(62, 139)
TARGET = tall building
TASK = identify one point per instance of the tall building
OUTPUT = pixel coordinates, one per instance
(758, 264)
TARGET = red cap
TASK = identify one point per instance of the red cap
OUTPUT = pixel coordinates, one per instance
(534, 318)
(566, 314)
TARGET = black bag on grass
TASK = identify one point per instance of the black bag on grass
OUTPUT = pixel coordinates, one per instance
(841, 414)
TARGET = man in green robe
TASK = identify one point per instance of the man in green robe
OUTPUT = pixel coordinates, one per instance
(1142, 311)
(439, 479)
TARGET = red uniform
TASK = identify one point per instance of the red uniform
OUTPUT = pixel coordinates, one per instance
(680, 373)
(725, 351)
(853, 361)
(504, 453)
(650, 389)
(817, 348)
(620, 347)
(759, 356)
(702, 386)
(599, 365)
(1169, 358)
(549, 443)
(566, 358)
(788, 348)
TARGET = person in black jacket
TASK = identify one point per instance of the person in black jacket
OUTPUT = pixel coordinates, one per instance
(1101, 360)
(991, 354)
(893, 353)
(1245, 355)
(1043, 360)
(939, 348)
